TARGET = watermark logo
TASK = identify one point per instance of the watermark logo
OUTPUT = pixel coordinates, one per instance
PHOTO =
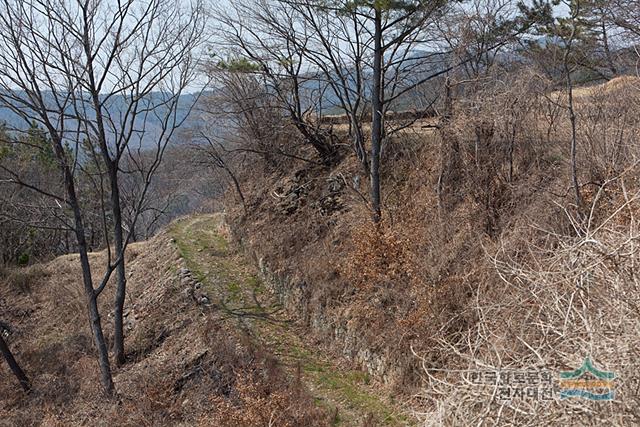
(587, 382)
(508, 385)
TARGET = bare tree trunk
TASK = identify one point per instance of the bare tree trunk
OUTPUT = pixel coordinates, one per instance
(376, 118)
(607, 49)
(96, 326)
(118, 323)
(574, 163)
(359, 146)
(512, 144)
(92, 298)
(15, 368)
(236, 184)
(448, 144)
(572, 119)
(90, 293)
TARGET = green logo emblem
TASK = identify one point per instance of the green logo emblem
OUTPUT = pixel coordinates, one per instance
(587, 382)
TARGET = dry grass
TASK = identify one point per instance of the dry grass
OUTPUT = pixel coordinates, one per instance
(557, 303)
(185, 368)
(624, 83)
(429, 289)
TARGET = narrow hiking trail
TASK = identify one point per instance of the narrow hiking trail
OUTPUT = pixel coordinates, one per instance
(239, 295)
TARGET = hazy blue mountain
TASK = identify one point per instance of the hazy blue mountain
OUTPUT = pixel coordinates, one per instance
(150, 123)
(416, 67)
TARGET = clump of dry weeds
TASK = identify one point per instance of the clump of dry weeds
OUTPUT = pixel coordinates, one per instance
(567, 297)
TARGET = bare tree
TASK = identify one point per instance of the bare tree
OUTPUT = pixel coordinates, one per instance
(367, 55)
(216, 156)
(567, 30)
(13, 364)
(263, 40)
(248, 110)
(103, 79)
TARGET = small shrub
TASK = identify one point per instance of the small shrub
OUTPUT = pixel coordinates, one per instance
(23, 259)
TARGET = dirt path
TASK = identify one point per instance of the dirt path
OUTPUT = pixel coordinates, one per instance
(233, 285)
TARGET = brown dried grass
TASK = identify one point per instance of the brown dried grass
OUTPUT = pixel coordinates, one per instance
(186, 367)
(426, 281)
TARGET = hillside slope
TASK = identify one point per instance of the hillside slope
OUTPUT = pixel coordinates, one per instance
(207, 345)
(239, 297)
(483, 262)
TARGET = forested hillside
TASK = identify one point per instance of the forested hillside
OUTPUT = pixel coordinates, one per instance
(310, 213)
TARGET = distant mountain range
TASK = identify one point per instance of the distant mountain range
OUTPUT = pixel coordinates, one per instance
(151, 123)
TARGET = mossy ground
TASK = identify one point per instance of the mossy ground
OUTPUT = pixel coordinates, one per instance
(234, 287)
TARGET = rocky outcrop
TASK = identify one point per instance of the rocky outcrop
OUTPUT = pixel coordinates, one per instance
(192, 287)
